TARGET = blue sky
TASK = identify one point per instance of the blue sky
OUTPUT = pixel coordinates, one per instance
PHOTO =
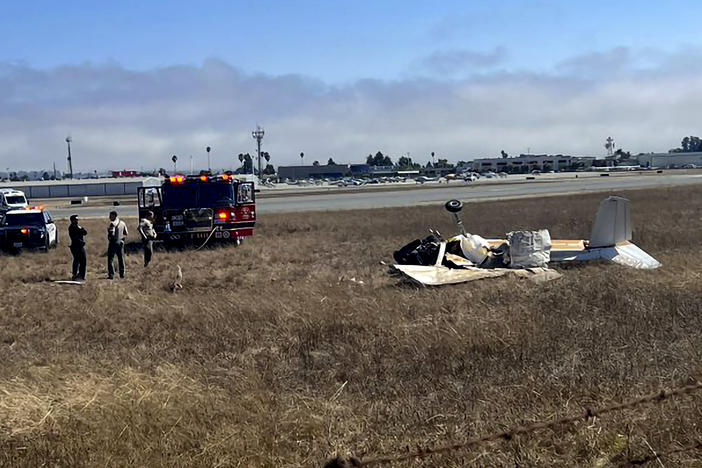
(465, 79)
(336, 41)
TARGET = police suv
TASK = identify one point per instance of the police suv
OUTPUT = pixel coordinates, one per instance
(28, 229)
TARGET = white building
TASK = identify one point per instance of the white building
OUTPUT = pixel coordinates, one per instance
(531, 162)
(670, 160)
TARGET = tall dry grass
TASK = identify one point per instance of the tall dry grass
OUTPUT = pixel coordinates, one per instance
(271, 356)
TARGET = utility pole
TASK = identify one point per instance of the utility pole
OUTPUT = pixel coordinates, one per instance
(258, 136)
(54, 170)
(70, 161)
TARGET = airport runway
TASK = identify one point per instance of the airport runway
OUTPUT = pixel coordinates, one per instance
(362, 199)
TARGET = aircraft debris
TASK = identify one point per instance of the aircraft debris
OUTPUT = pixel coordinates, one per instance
(434, 261)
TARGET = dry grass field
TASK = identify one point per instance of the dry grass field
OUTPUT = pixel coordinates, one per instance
(271, 356)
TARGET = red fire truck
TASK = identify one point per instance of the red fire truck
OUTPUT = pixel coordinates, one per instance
(200, 208)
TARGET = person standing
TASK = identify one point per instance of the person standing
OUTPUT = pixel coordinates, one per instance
(146, 229)
(116, 234)
(77, 233)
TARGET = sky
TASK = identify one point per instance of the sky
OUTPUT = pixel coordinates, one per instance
(135, 82)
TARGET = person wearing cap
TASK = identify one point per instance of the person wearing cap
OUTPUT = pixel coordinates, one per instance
(116, 235)
(77, 233)
(146, 229)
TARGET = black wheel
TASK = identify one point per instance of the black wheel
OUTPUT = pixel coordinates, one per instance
(56, 241)
(47, 244)
(453, 206)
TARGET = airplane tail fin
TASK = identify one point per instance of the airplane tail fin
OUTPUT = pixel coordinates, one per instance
(612, 223)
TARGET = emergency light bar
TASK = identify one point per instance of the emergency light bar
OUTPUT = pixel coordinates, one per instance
(181, 179)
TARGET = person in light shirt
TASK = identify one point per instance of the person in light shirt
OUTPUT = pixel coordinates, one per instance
(116, 235)
(146, 229)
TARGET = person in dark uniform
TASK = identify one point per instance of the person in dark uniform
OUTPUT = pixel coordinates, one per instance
(77, 234)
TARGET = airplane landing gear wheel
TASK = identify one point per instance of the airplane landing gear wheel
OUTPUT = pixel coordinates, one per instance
(453, 206)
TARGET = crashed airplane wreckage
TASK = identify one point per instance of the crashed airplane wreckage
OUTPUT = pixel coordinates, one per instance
(435, 261)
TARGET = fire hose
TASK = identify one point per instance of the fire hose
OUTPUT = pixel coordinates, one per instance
(214, 229)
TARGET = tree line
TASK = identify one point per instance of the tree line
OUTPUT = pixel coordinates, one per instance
(689, 144)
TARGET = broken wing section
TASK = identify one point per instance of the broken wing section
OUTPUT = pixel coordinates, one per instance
(441, 275)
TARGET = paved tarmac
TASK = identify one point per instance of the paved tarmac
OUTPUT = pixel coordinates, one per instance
(363, 199)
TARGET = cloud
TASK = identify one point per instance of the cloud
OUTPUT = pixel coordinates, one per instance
(451, 62)
(627, 61)
(126, 119)
(611, 61)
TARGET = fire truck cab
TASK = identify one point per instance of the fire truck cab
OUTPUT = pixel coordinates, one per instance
(200, 208)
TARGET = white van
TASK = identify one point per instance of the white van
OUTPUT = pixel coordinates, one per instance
(11, 199)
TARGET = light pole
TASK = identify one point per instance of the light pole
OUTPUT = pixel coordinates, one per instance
(209, 168)
(258, 136)
(302, 159)
(175, 161)
(70, 161)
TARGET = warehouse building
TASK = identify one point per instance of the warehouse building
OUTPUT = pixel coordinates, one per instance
(670, 160)
(531, 162)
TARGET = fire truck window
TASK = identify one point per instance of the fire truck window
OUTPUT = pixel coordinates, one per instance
(213, 195)
(180, 196)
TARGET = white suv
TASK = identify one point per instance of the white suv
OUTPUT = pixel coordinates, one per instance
(11, 199)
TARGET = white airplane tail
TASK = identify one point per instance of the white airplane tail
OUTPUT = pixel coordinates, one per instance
(611, 237)
(612, 223)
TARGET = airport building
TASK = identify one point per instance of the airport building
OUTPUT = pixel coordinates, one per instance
(670, 160)
(438, 171)
(530, 162)
(337, 171)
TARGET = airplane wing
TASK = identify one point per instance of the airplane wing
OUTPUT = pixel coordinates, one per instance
(441, 275)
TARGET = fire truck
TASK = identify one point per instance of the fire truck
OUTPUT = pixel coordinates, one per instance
(200, 208)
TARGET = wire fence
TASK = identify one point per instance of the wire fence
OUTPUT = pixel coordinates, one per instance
(509, 434)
